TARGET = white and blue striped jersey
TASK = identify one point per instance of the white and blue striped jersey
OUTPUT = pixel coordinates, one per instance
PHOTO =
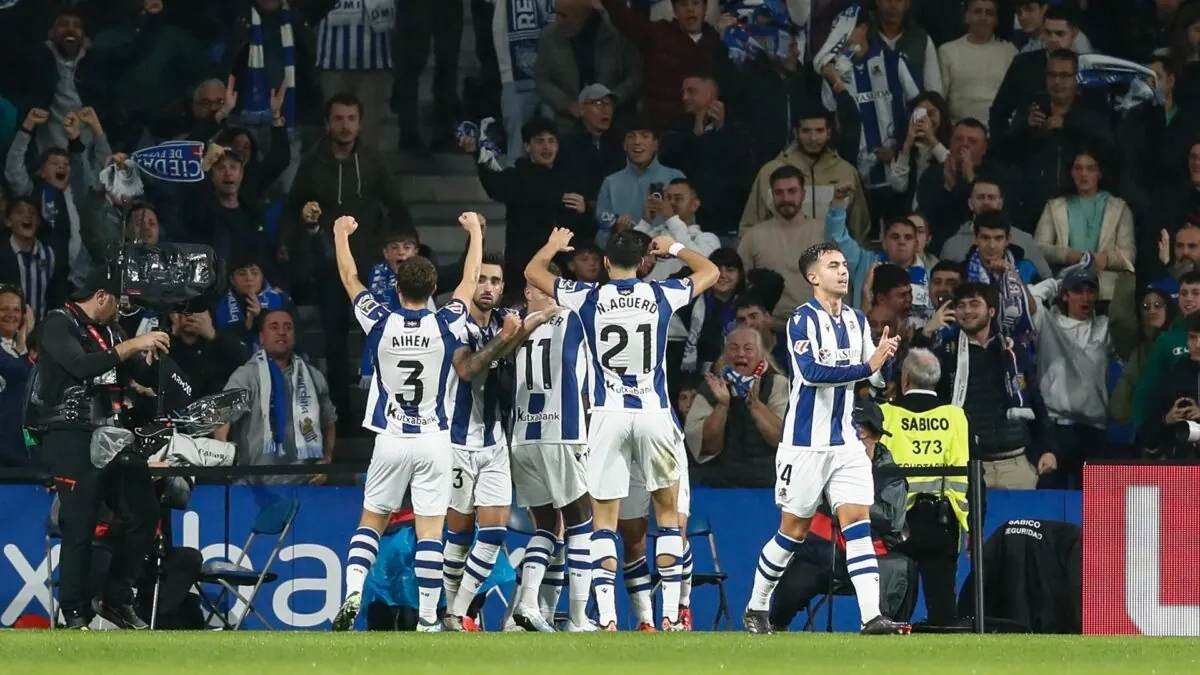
(357, 35)
(625, 323)
(882, 83)
(475, 419)
(551, 371)
(829, 355)
(413, 353)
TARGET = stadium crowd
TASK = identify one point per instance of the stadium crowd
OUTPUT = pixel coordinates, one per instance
(1015, 187)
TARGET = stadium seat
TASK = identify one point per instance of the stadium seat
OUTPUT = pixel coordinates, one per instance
(273, 521)
(699, 527)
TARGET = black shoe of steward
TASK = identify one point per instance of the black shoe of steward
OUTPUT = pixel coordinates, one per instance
(121, 616)
(73, 620)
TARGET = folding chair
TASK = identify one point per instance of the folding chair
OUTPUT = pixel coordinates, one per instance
(273, 521)
(699, 527)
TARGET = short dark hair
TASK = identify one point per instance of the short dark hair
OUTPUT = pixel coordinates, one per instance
(536, 127)
(13, 202)
(987, 180)
(1060, 13)
(1169, 63)
(813, 112)
(416, 279)
(974, 289)
(402, 235)
(637, 123)
(813, 253)
(244, 258)
(747, 300)
(1062, 55)
(784, 172)
(1192, 321)
(888, 278)
(52, 152)
(949, 266)
(682, 181)
(1189, 278)
(626, 250)
(972, 123)
(899, 221)
(727, 257)
(345, 98)
(992, 220)
(260, 322)
(587, 246)
(494, 258)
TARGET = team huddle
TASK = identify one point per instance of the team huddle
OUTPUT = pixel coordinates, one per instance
(592, 441)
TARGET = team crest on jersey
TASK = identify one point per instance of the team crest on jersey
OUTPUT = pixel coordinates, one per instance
(800, 346)
(367, 304)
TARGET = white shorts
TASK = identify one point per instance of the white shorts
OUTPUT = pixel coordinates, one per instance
(802, 474)
(637, 503)
(549, 473)
(480, 478)
(620, 440)
(419, 464)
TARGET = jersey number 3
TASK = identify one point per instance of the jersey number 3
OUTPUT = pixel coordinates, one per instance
(413, 381)
(622, 337)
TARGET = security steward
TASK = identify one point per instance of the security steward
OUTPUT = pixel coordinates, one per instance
(84, 371)
(926, 433)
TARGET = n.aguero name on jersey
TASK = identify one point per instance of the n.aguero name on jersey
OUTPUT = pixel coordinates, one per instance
(551, 373)
(829, 356)
(625, 324)
(411, 357)
(475, 419)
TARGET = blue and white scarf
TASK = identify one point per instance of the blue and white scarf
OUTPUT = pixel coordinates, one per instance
(230, 310)
(523, 23)
(304, 409)
(58, 210)
(382, 285)
(256, 106)
(918, 277)
(741, 385)
(1013, 313)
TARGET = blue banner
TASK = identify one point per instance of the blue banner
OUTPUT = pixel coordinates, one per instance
(310, 565)
(173, 161)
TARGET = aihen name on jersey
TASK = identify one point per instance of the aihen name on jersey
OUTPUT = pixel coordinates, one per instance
(624, 301)
(419, 341)
(924, 424)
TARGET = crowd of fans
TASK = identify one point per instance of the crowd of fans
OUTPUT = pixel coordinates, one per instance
(1015, 209)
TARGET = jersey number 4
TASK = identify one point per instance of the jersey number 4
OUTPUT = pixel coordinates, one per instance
(622, 337)
(413, 382)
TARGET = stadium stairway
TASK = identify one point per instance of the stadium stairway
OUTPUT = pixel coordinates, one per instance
(437, 189)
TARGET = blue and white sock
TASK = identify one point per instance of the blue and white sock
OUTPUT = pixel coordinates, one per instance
(454, 556)
(533, 569)
(553, 583)
(364, 547)
(479, 566)
(772, 562)
(685, 584)
(668, 556)
(638, 585)
(604, 552)
(579, 570)
(863, 568)
(428, 567)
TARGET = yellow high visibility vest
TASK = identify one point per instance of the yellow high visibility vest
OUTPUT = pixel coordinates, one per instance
(938, 437)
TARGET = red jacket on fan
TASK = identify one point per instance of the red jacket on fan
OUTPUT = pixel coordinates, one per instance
(668, 56)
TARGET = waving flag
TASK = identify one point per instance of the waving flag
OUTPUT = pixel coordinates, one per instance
(837, 45)
(1097, 71)
(764, 26)
(173, 161)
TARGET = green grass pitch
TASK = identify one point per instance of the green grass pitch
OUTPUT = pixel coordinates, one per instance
(30, 652)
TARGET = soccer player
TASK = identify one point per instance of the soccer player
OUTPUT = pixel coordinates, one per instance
(481, 476)
(406, 409)
(625, 323)
(549, 447)
(820, 452)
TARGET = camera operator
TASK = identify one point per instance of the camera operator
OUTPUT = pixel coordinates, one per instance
(1174, 404)
(83, 374)
(927, 433)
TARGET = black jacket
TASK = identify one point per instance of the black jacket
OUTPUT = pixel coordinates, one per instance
(720, 165)
(532, 195)
(946, 210)
(768, 102)
(1181, 381)
(592, 159)
(1026, 77)
(1034, 576)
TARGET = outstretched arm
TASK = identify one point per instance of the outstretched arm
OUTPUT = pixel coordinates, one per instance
(469, 364)
(343, 227)
(537, 272)
(473, 223)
